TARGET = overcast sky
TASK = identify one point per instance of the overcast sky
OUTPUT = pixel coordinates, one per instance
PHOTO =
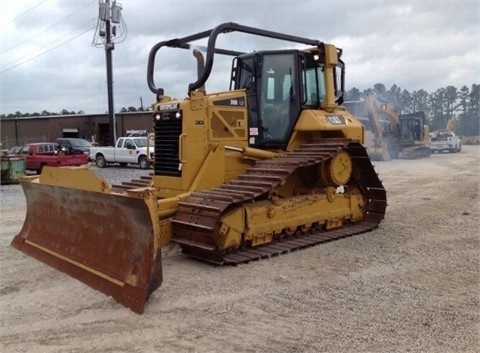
(47, 61)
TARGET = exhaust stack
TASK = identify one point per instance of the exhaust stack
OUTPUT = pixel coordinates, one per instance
(200, 66)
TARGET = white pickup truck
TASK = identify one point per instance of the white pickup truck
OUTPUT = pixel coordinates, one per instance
(127, 150)
(445, 141)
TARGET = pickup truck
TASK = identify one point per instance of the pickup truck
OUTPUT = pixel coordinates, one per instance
(38, 155)
(445, 141)
(127, 150)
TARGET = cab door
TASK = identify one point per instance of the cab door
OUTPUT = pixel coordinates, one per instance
(279, 105)
(126, 153)
(278, 97)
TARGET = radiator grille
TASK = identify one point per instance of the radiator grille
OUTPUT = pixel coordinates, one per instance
(167, 133)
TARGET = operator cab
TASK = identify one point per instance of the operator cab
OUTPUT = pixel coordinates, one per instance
(279, 85)
(411, 127)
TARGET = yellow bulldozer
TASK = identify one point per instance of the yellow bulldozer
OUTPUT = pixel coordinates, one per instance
(272, 165)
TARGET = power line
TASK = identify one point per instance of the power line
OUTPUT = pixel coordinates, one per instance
(22, 14)
(45, 30)
(47, 45)
(47, 51)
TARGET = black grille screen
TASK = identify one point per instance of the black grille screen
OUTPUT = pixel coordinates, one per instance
(167, 133)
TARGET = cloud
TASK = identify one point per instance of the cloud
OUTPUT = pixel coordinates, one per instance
(47, 61)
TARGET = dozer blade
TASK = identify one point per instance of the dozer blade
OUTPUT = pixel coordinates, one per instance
(104, 240)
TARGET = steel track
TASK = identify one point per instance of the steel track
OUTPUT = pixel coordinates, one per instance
(195, 225)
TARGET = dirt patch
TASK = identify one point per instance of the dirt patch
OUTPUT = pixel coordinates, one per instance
(411, 285)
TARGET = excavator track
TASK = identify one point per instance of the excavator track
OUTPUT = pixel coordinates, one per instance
(198, 217)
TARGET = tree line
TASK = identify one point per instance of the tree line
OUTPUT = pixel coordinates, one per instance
(438, 106)
(19, 114)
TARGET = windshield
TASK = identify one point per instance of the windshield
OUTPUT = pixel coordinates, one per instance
(25, 149)
(143, 142)
(81, 143)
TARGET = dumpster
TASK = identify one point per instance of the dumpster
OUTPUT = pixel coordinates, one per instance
(13, 167)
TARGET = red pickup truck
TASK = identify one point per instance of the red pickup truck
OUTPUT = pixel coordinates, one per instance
(38, 155)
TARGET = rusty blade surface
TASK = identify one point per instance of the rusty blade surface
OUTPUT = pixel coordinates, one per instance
(103, 240)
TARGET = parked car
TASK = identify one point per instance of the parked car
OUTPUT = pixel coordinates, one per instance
(127, 150)
(445, 141)
(38, 155)
(74, 145)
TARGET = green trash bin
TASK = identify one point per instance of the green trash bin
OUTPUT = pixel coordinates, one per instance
(13, 167)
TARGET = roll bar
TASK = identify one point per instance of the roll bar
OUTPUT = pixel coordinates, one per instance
(211, 49)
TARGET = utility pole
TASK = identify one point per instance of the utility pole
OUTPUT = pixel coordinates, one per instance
(109, 14)
(109, 47)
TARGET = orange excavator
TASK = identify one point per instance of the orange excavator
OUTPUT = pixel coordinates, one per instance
(389, 134)
(273, 164)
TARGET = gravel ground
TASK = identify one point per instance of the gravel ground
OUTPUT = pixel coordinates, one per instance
(412, 285)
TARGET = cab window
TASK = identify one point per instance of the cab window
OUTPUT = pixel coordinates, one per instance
(277, 88)
(129, 144)
(313, 82)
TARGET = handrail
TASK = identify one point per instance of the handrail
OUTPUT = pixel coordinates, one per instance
(211, 49)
